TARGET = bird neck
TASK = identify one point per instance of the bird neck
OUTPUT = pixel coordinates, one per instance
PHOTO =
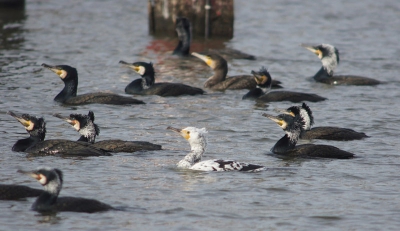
(287, 142)
(70, 89)
(194, 156)
(183, 47)
(147, 80)
(218, 77)
(89, 133)
(328, 67)
(49, 196)
(306, 118)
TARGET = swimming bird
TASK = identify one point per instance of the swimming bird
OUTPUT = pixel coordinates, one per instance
(49, 201)
(17, 192)
(68, 95)
(329, 56)
(35, 145)
(147, 86)
(263, 94)
(324, 133)
(219, 81)
(286, 146)
(184, 31)
(88, 130)
(198, 143)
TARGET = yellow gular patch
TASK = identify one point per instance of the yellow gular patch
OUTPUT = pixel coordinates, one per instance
(76, 124)
(29, 125)
(210, 62)
(261, 79)
(185, 134)
(61, 73)
(318, 53)
(282, 124)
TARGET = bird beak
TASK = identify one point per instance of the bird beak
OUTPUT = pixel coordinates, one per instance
(68, 120)
(32, 174)
(283, 111)
(271, 117)
(25, 123)
(313, 49)
(134, 67)
(205, 58)
(174, 129)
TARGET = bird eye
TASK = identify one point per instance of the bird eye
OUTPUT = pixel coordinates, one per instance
(188, 132)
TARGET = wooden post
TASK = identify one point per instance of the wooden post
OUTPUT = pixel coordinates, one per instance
(162, 15)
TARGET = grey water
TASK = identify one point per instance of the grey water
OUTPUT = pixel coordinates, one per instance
(299, 194)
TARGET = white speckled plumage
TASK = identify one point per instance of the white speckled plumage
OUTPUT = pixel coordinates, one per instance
(198, 143)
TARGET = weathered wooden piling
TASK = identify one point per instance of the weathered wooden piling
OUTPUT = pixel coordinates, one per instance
(213, 18)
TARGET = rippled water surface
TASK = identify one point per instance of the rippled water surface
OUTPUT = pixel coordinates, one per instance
(356, 194)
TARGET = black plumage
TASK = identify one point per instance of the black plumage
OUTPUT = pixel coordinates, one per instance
(287, 147)
(36, 145)
(263, 94)
(49, 202)
(68, 95)
(85, 125)
(329, 56)
(147, 85)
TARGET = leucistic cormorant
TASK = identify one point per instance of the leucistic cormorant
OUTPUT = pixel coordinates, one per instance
(263, 94)
(68, 95)
(147, 86)
(198, 143)
(88, 130)
(49, 202)
(329, 56)
(324, 133)
(183, 29)
(219, 81)
(286, 146)
(16, 192)
(35, 145)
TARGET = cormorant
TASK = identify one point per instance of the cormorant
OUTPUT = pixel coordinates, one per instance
(286, 146)
(219, 81)
(147, 86)
(69, 76)
(263, 94)
(88, 130)
(198, 143)
(329, 56)
(324, 133)
(35, 145)
(183, 29)
(49, 202)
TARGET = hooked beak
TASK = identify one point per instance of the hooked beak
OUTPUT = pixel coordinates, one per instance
(174, 129)
(134, 67)
(32, 174)
(24, 122)
(276, 119)
(66, 119)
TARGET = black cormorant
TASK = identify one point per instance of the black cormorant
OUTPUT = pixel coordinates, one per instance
(147, 86)
(286, 146)
(263, 94)
(324, 133)
(329, 56)
(35, 145)
(183, 29)
(69, 76)
(88, 130)
(49, 202)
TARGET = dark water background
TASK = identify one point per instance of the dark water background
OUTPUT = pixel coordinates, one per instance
(357, 194)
